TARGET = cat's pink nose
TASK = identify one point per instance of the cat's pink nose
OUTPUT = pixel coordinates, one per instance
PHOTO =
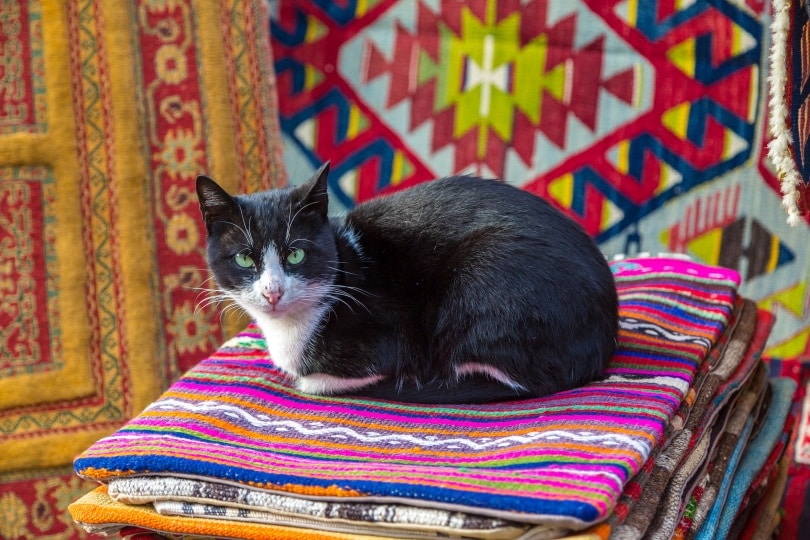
(273, 295)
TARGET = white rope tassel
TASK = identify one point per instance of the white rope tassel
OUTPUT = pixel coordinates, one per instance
(780, 148)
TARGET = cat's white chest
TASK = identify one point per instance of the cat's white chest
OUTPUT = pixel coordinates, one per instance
(287, 339)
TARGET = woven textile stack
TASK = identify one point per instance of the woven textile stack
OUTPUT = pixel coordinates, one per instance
(683, 436)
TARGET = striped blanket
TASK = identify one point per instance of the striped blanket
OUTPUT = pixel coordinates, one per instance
(561, 461)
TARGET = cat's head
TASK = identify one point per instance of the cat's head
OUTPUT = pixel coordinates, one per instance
(272, 252)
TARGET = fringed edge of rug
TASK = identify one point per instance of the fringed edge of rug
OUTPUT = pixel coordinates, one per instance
(780, 148)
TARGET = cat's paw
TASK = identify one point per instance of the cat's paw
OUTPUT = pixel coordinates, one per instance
(325, 385)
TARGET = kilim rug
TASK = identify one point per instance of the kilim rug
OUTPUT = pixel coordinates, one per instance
(556, 462)
(108, 110)
(644, 121)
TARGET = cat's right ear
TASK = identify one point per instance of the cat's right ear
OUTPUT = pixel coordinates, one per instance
(215, 203)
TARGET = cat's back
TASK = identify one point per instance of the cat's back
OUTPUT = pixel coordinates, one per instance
(482, 229)
(456, 206)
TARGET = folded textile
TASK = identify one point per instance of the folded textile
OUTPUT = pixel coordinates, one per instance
(186, 496)
(686, 437)
(225, 513)
(777, 420)
(708, 523)
(764, 519)
(558, 461)
(633, 489)
(704, 448)
(746, 386)
(690, 524)
(99, 514)
(795, 517)
(732, 439)
(759, 485)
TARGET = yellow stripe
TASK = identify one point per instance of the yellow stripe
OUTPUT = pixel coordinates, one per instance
(623, 158)
(773, 258)
(223, 162)
(354, 122)
(132, 179)
(397, 168)
(632, 12)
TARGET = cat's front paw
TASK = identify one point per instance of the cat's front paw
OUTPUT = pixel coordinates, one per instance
(326, 385)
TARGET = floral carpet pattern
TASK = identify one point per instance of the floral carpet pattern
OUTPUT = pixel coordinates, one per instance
(108, 110)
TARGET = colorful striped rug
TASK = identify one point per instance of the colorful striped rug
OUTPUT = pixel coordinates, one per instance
(561, 461)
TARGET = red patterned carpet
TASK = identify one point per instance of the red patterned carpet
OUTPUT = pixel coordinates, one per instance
(108, 111)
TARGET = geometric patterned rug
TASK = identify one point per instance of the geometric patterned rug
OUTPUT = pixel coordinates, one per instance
(108, 110)
(644, 121)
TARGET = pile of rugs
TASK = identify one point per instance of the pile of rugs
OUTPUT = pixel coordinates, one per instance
(685, 436)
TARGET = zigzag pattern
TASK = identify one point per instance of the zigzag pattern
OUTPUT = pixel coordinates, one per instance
(547, 88)
(620, 112)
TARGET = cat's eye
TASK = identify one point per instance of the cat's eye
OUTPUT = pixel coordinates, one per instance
(296, 256)
(243, 261)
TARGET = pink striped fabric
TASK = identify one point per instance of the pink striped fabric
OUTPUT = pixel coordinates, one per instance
(562, 460)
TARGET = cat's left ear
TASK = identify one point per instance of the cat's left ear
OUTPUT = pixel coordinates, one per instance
(317, 191)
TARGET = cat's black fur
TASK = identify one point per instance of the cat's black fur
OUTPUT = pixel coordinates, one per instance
(407, 289)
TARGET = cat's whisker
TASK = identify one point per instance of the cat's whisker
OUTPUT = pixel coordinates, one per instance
(321, 298)
(341, 295)
(231, 308)
(303, 240)
(341, 300)
(209, 279)
(211, 297)
(212, 301)
(343, 271)
(204, 289)
(205, 271)
(290, 221)
(224, 300)
(246, 231)
(355, 289)
(205, 303)
(319, 293)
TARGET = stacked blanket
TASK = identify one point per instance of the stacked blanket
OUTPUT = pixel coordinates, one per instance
(684, 436)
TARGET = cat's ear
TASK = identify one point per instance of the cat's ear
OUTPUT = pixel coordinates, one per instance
(316, 198)
(215, 203)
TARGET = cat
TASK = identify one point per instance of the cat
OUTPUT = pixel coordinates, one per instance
(458, 290)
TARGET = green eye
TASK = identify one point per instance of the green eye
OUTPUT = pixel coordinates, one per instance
(296, 256)
(243, 261)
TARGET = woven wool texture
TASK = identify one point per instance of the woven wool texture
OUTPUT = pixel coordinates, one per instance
(97, 507)
(730, 432)
(560, 460)
(108, 110)
(764, 446)
(796, 518)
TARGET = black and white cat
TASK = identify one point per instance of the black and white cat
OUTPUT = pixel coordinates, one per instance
(456, 290)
